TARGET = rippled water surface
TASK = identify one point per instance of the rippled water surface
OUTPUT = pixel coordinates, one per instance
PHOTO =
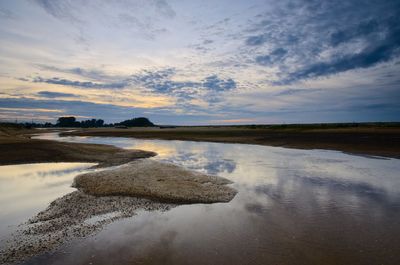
(293, 207)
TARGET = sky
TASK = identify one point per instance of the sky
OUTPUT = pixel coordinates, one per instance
(200, 62)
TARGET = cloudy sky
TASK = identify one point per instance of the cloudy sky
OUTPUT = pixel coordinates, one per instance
(200, 62)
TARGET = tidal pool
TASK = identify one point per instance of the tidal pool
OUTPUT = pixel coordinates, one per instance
(293, 207)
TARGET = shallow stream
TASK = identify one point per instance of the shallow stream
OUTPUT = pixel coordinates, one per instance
(293, 207)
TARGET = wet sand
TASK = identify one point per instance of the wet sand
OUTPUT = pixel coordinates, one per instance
(375, 141)
(75, 215)
(16, 147)
(158, 181)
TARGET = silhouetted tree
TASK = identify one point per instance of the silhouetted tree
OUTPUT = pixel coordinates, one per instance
(137, 122)
(67, 122)
(72, 122)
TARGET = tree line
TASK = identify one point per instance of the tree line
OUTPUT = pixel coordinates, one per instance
(74, 123)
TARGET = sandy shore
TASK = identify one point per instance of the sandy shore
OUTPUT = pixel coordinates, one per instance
(366, 140)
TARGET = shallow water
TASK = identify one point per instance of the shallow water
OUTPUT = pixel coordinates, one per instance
(293, 207)
(27, 189)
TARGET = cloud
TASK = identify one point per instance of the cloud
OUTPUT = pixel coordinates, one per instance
(86, 84)
(215, 83)
(243, 60)
(70, 107)
(87, 73)
(365, 28)
(23, 79)
(161, 81)
(273, 57)
(6, 14)
(312, 39)
(30, 110)
(61, 9)
(164, 8)
(370, 56)
(49, 94)
(290, 91)
(256, 40)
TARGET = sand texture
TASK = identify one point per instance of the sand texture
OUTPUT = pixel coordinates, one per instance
(109, 195)
(72, 216)
(157, 181)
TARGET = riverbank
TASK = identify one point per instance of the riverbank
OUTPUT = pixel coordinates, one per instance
(365, 140)
(16, 147)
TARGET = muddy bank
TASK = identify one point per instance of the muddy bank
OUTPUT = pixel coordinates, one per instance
(378, 141)
(72, 216)
(20, 149)
(157, 181)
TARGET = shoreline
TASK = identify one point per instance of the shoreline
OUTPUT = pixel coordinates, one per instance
(16, 147)
(373, 141)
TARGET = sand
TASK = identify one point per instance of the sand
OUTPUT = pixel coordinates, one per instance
(75, 215)
(158, 181)
(109, 195)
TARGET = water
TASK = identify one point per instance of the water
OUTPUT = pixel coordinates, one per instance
(27, 189)
(293, 207)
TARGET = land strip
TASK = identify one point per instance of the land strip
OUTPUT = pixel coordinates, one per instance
(365, 140)
(16, 147)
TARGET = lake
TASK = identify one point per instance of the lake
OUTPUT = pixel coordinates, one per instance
(292, 207)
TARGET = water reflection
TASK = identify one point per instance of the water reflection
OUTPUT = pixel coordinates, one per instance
(29, 188)
(293, 207)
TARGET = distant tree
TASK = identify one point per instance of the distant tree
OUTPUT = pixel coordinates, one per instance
(137, 122)
(67, 122)
(72, 122)
(99, 123)
(92, 123)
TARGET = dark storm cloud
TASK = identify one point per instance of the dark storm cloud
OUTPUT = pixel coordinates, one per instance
(86, 84)
(49, 94)
(312, 39)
